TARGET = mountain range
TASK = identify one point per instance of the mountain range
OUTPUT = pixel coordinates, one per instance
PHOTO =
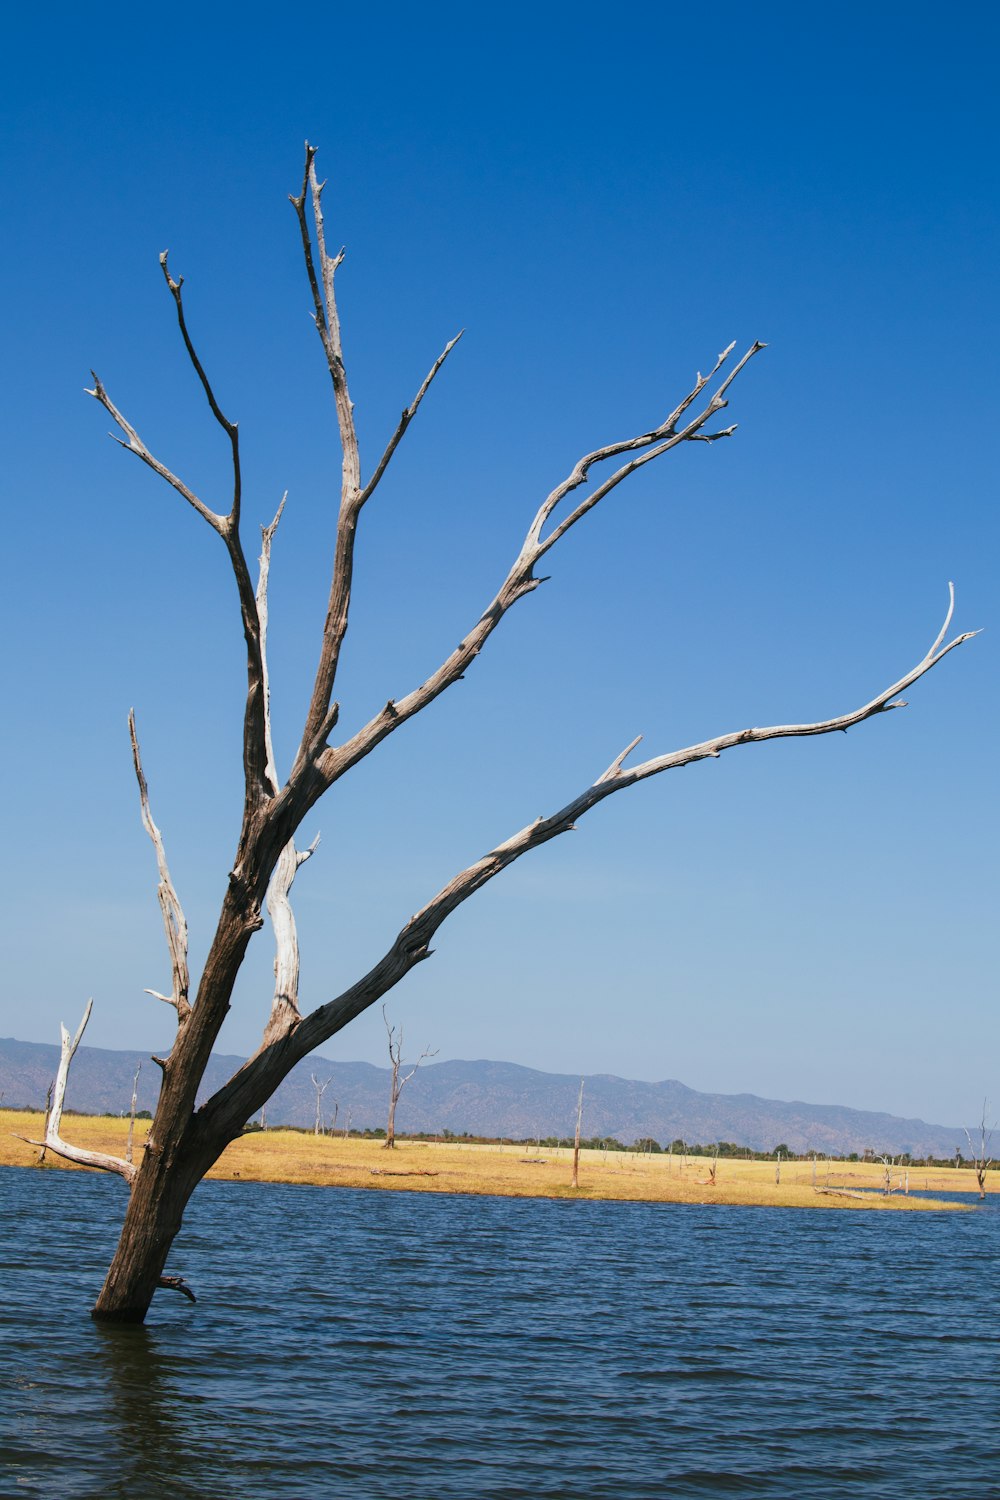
(489, 1099)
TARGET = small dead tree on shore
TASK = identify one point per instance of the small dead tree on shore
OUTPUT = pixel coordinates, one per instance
(131, 1113)
(576, 1139)
(48, 1116)
(396, 1081)
(979, 1150)
(321, 1089)
(187, 1136)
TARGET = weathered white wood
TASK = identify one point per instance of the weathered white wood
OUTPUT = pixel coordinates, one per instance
(979, 1151)
(53, 1140)
(131, 1114)
(321, 1089)
(174, 922)
(285, 1002)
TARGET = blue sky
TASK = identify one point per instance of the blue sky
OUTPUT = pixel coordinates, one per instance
(603, 200)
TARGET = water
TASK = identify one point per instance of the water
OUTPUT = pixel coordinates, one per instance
(365, 1345)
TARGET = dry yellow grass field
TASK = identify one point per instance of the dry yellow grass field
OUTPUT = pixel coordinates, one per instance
(513, 1171)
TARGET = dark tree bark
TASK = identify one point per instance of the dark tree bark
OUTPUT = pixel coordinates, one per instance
(185, 1141)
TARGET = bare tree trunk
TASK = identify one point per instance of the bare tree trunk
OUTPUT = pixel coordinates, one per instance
(576, 1139)
(48, 1115)
(321, 1089)
(152, 1220)
(981, 1161)
(395, 1081)
(131, 1114)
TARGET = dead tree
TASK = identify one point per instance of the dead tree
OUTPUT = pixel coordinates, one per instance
(576, 1139)
(48, 1115)
(321, 1089)
(979, 1150)
(131, 1113)
(187, 1137)
(395, 1081)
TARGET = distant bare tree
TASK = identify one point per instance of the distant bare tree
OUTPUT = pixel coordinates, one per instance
(131, 1113)
(890, 1164)
(576, 1139)
(321, 1089)
(395, 1081)
(981, 1160)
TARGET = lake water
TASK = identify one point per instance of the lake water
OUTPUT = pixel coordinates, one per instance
(367, 1344)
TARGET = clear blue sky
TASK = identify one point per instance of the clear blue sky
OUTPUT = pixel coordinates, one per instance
(604, 198)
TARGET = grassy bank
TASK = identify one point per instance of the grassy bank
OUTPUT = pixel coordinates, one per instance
(513, 1171)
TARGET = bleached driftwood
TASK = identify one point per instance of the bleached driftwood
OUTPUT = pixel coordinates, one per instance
(53, 1140)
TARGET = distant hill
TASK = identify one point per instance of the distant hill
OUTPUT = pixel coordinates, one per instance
(491, 1098)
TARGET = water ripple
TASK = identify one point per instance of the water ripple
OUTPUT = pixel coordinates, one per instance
(415, 1346)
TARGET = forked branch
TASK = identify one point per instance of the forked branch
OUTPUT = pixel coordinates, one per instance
(53, 1140)
(227, 525)
(353, 494)
(252, 1085)
(413, 942)
(521, 579)
(133, 443)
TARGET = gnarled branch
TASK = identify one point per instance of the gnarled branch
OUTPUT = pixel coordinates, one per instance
(521, 579)
(228, 528)
(53, 1140)
(253, 1084)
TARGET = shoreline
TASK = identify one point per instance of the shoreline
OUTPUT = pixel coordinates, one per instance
(514, 1171)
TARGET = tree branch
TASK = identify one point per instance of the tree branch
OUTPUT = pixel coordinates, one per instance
(285, 1002)
(335, 761)
(353, 497)
(405, 420)
(231, 429)
(53, 1140)
(228, 528)
(237, 1100)
(174, 921)
(136, 445)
